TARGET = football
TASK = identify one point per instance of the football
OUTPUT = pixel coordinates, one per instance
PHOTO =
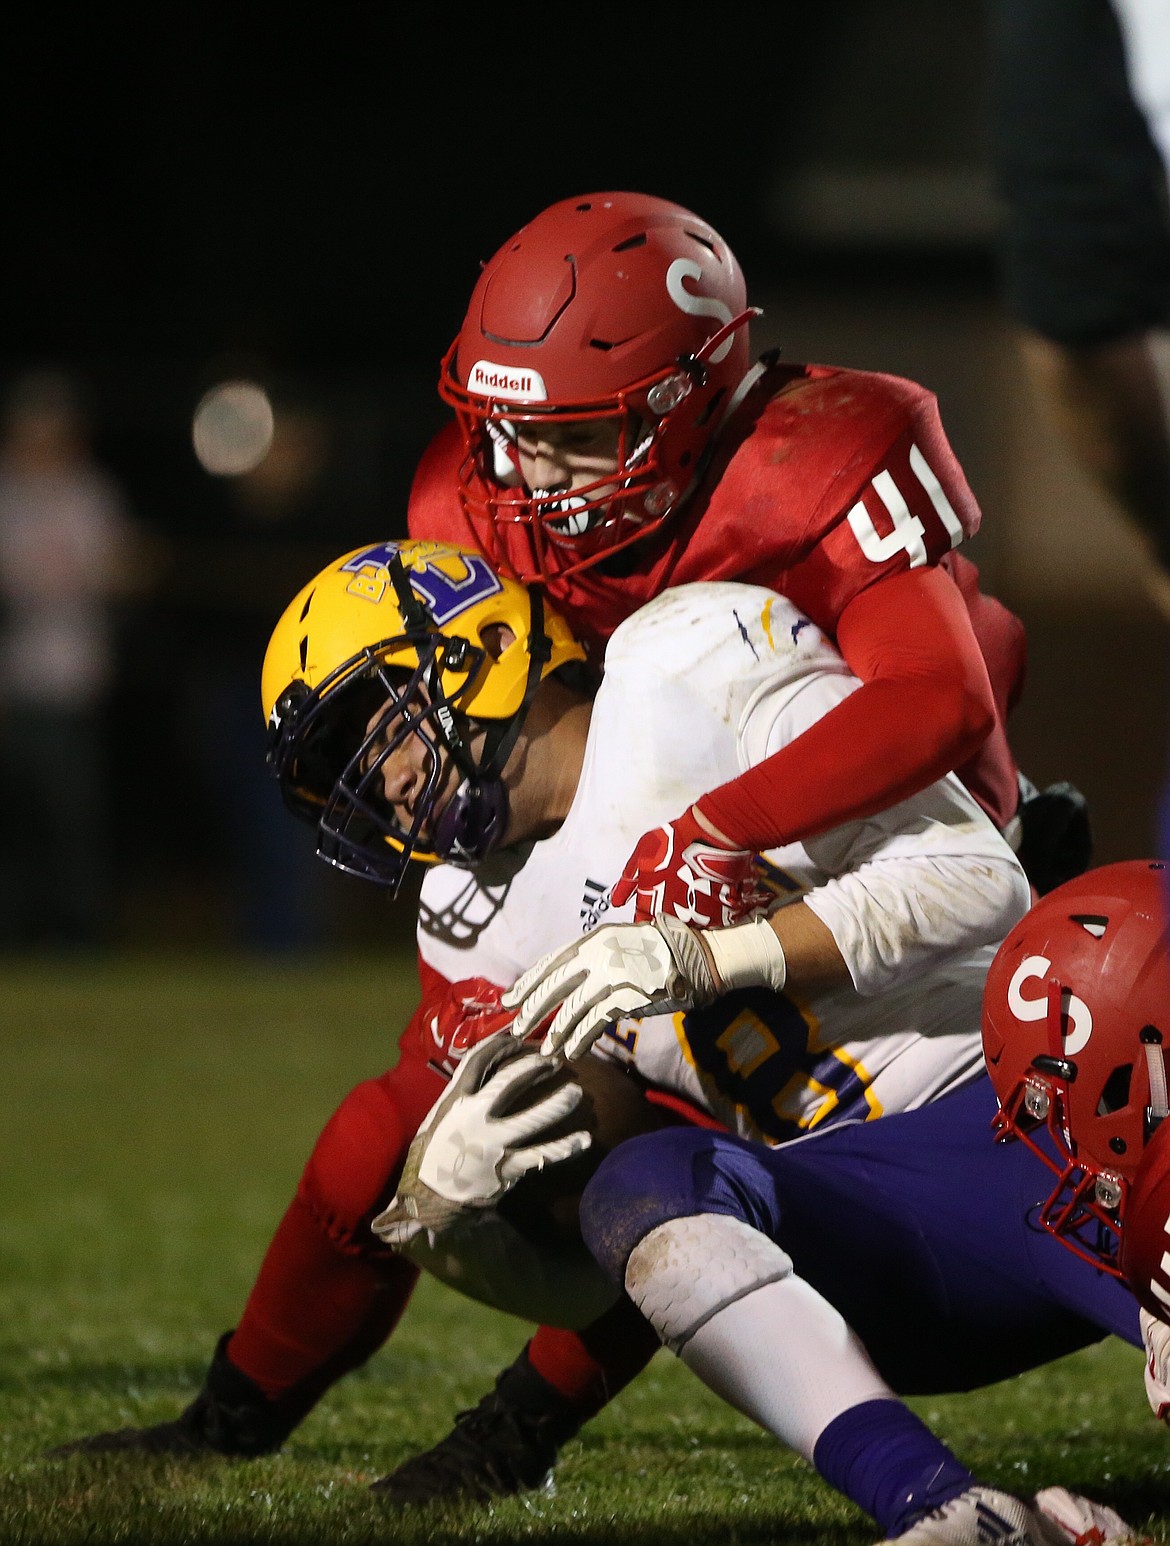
(525, 1255)
(543, 1206)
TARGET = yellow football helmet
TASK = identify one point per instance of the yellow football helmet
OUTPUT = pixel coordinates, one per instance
(409, 629)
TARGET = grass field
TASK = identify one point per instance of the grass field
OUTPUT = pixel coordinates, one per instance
(156, 1114)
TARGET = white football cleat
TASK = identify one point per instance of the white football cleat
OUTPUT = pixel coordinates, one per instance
(983, 1516)
(1085, 1523)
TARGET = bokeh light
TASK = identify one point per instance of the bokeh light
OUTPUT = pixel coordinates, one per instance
(233, 427)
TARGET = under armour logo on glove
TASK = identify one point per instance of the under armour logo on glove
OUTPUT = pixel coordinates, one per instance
(455, 1171)
(682, 871)
(626, 954)
(620, 969)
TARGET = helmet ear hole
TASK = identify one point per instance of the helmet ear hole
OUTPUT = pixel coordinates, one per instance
(710, 410)
(496, 638)
(1115, 1095)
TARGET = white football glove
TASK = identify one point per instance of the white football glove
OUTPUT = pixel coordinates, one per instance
(620, 969)
(1156, 1336)
(1084, 1522)
(639, 969)
(467, 1155)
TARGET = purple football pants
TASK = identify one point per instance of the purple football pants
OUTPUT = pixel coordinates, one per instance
(919, 1228)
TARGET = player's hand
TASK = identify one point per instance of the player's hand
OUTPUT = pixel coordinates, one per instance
(468, 1153)
(620, 969)
(1156, 1336)
(683, 871)
(467, 1013)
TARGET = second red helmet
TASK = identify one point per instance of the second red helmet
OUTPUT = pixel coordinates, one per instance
(1076, 1027)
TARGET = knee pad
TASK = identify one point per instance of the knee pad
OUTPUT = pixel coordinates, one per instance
(689, 1269)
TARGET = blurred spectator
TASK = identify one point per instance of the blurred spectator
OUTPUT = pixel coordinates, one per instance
(253, 537)
(1081, 144)
(68, 551)
(1081, 133)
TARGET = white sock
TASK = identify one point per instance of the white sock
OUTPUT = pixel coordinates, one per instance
(783, 1356)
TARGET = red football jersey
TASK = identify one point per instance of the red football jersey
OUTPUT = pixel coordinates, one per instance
(825, 482)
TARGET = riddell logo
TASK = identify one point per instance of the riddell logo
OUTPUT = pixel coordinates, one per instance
(492, 380)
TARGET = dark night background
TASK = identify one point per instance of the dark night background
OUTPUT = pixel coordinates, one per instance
(302, 197)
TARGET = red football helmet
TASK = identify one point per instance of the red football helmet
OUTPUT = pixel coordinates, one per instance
(1076, 1017)
(612, 306)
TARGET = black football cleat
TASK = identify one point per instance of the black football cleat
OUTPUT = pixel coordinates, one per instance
(230, 1416)
(506, 1444)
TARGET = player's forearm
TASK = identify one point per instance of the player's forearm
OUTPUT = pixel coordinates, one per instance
(792, 949)
(884, 743)
(924, 706)
(812, 954)
(893, 920)
(878, 926)
(920, 884)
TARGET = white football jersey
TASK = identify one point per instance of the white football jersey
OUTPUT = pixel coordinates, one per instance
(701, 684)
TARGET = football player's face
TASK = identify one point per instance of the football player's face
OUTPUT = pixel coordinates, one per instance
(564, 457)
(406, 769)
(402, 767)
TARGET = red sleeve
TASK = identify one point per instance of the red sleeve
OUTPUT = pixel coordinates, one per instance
(435, 989)
(433, 509)
(1001, 634)
(925, 705)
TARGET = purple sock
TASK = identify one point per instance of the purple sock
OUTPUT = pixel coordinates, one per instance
(889, 1463)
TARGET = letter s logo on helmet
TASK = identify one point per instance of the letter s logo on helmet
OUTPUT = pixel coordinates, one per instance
(698, 305)
(625, 308)
(1076, 1023)
(1074, 1011)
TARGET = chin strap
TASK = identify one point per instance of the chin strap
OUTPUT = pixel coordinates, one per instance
(416, 615)
(539, 654)
(695, 364)
(746, 385)
(1159, 1108)
(476, 817)
(417, 620)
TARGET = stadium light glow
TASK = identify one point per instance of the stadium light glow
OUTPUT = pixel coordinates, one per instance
(232, 428)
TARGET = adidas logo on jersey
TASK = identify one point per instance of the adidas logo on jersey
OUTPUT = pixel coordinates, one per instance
(594, 902)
